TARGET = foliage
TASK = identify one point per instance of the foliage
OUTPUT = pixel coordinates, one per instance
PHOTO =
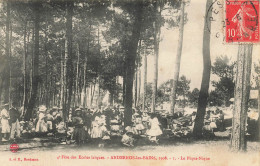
(224, 88)
(194, 96)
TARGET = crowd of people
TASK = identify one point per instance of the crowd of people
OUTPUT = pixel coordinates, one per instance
(99, 125)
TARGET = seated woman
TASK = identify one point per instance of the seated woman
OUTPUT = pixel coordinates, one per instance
(41, 126)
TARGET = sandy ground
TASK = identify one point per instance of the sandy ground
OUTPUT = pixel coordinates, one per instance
(191, 153)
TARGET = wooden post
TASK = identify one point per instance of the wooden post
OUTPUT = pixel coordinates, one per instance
(242, 88)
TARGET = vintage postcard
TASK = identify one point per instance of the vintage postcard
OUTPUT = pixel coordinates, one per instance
(129, 82)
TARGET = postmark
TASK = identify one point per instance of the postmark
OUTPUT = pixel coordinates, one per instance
(14, 147)
(242, 21)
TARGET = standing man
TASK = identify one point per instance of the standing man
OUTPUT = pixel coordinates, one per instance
(14, 119)
(5, 122)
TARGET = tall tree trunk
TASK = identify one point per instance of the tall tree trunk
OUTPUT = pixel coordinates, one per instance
(32, 63)
(177, 60)
(203, 95)
(85, 67)
(61, 80)
(93, 92)
(35, 78)
(259, 107)
(157, 29)
(111, 98)
(138, 76)
(68, 57)
(145, 81)
(84, 82)
(10, 64)
(130, 63)
(77, 77)
(98, 97)
(136, 83)
(124, 82)
(24, 70)
(242, 89)
(139, 85)
(46, 66)
(7, 55)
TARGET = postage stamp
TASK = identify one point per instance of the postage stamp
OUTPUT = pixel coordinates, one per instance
(242, 21)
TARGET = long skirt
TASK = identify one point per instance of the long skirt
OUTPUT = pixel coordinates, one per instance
(79, 134)
(5, 126)
(96, 132)
(41, 126)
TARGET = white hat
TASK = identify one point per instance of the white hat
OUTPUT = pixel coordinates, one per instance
(42, 108)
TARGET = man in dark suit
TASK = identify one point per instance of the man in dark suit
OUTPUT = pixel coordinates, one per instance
(14, 120)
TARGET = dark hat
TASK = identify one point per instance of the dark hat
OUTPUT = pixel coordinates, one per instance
(55, 108)
(78, 110)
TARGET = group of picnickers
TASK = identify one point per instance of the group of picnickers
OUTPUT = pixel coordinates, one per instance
(84, 125)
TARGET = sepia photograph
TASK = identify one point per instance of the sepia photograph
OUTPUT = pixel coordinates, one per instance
(131, 82)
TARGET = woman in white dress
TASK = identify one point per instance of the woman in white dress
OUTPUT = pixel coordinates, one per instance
(5, 122)
(155, 129)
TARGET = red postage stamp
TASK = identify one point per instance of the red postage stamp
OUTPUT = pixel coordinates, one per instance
(242, 21)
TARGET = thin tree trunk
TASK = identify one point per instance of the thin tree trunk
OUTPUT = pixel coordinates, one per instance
(157, 28)
(10, 63)
(136, 83)
(203, 95)
(124, 83)
(139, 85)
(68, 58)
(145, 81)
(55, 93)
(130, 63)
(24, 70)
(177, 60)
(93, 91)
(61, 80)
(98, 97)
(46, 66)
(32, 64)
(77, 77)
(35, 80)
(242, 89)
(85, 68)
(84, 82)
(259, 107)
(7, 55)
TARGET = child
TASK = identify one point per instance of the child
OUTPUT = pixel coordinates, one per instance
(128, 139)
(155, 129)
(49, 119)
(131, 129)
(79, 132)
(96, 131)
(139, 125)
(105, 139)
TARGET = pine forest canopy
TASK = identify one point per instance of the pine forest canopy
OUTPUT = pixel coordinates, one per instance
(60, 50)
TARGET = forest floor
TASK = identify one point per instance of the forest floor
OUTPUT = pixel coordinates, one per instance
(214, 151)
